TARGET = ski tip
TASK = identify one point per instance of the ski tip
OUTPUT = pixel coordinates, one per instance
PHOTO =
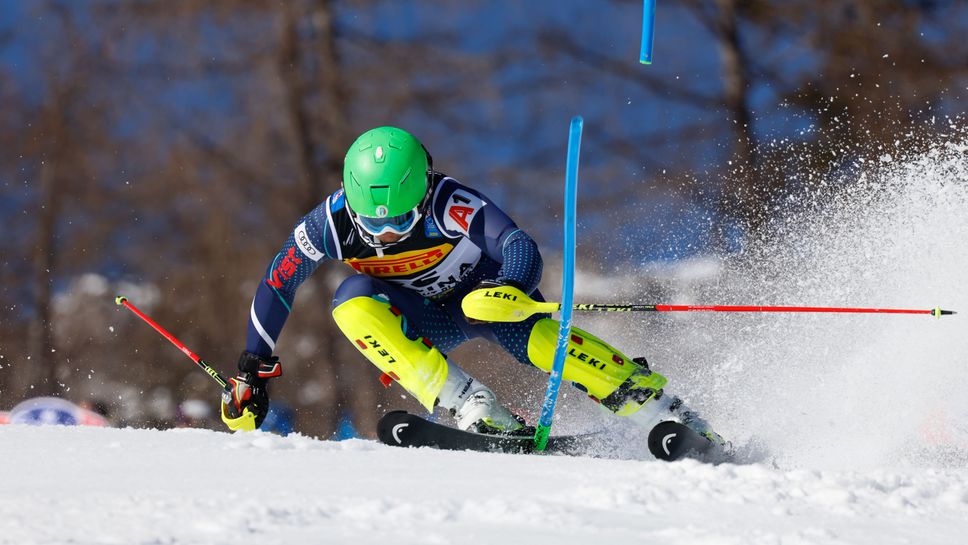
(120, 299)
(670, 441)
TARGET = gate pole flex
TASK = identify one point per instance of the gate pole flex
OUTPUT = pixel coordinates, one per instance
(567, 285)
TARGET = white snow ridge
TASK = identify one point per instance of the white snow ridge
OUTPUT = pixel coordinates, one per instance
(101, 486)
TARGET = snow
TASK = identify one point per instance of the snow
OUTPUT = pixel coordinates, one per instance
(128, 486)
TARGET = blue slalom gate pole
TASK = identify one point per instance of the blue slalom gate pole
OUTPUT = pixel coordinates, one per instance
(648, 30)
(567, 285)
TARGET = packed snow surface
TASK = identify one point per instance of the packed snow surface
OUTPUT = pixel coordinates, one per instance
(99, 486)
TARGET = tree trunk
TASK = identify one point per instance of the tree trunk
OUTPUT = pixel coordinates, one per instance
(742, 198)
(41, 341)
(290, 65)
(334, 101)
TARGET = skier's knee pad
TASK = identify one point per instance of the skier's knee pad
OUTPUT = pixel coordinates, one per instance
(376, 329)
(596, 367)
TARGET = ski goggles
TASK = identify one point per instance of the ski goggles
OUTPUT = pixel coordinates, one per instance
(400, 225)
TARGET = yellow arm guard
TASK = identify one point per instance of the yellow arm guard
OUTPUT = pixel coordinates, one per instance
(502, 304)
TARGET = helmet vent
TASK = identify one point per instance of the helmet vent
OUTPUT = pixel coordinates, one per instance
(380, 194)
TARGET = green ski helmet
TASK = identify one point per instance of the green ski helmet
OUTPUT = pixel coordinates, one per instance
(386, 177)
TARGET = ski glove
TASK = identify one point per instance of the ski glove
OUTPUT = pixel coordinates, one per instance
(245, 402)
(485, 284)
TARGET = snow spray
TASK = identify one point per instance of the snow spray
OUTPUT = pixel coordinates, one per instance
(840, 390)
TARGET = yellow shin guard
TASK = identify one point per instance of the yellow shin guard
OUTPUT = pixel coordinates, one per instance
(607, 375)
(376, 330)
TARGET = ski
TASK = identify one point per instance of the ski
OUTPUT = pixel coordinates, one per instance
(668, 441)
(672, 441)
(402, 429)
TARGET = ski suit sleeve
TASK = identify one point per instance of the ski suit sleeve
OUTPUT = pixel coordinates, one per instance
(301, 254)
(466, 212)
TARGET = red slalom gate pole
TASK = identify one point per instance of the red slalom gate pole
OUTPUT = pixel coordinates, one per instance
(123, 301)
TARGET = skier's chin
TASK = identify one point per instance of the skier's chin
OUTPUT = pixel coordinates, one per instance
(389, 238)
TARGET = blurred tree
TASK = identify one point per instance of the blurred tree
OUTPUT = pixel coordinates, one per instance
(881, 72)
(832, 81)
(741, 196)
(862, 76)
(57, 152)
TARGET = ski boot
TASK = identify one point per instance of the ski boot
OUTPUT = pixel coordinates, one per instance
(481, 413)
(661, 407)
(636, 391)
(475, 407)
(692, 421)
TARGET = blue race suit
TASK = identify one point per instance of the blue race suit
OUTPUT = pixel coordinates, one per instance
(463, 238)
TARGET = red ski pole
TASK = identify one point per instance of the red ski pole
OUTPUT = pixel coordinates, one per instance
(509, 304)
(937, 312)
(123, 301)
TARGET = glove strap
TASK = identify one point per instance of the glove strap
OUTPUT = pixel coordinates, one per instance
(258, 366)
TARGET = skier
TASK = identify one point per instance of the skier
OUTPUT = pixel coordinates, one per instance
(421, 241)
